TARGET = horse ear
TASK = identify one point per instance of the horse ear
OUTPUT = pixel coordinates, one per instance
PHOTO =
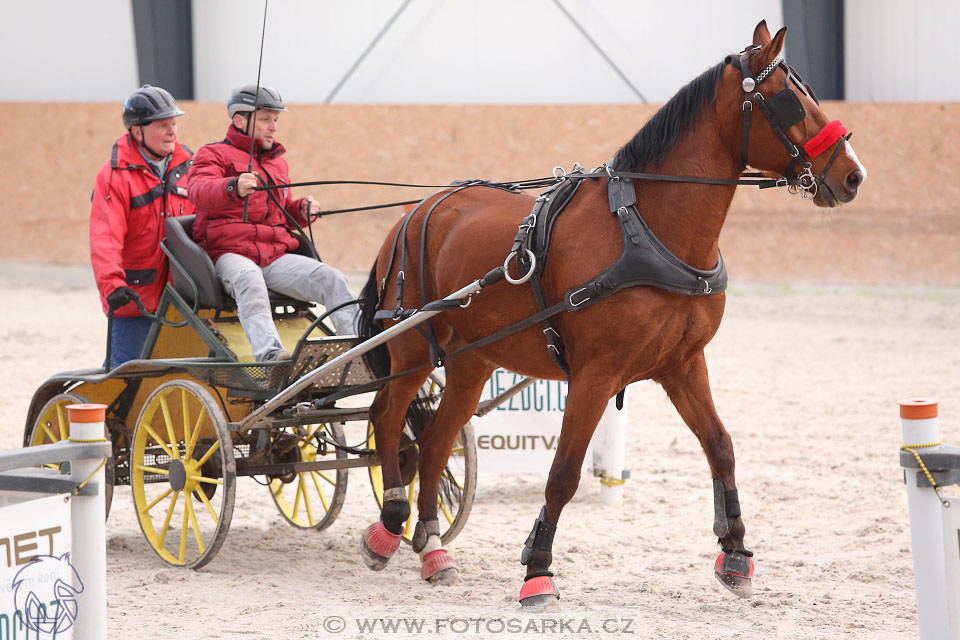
(769, 52)
(761, 35)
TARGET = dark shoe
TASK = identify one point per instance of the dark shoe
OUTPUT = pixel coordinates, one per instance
(279, 356)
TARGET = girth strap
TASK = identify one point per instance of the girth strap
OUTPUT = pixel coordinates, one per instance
(533, 238)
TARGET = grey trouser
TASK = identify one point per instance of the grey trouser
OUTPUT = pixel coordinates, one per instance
(291, 275)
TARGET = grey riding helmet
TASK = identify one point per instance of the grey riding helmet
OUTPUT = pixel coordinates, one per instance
(149, 103)
(246, 99)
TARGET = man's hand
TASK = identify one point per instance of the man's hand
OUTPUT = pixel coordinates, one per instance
(121, 296)
(245, 184)
(309, 207)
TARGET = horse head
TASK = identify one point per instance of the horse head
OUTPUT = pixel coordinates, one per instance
(777, 125)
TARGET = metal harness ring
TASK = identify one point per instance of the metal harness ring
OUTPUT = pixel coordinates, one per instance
(506, 269)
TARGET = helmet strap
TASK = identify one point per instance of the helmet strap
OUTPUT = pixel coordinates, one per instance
(142, 143)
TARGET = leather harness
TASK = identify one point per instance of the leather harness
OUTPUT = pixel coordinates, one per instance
(645, 261)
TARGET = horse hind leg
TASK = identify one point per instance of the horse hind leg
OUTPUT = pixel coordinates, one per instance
(381, 539)
(689, 390)
(466, 376)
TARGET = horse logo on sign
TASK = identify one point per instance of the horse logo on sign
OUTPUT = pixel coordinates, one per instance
(45, 596)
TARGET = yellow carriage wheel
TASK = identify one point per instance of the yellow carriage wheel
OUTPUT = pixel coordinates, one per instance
(310, 499)
(458, 484)
(183, 474)
(53, 425)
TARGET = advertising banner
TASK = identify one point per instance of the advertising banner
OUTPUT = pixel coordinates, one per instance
(38, 584)
(520, 435)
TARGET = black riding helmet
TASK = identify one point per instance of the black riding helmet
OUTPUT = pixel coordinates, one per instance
(149, 103)
(246, 99)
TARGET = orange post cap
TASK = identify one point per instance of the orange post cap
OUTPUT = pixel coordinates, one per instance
(918, 408)
(87, 412)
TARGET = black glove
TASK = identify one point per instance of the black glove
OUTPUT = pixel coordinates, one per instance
(121, 296)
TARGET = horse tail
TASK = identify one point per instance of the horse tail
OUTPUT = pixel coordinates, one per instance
(421, 410)
(377, 359)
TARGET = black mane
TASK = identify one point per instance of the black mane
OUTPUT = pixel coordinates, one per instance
(652, 143)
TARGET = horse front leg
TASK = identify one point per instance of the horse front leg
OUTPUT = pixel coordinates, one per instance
(585, 405)
(689, 390)
(388, 414)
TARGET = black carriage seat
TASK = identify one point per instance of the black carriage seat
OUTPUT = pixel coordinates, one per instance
(199, 269)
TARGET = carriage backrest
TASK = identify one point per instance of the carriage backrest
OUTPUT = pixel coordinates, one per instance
(195, 261)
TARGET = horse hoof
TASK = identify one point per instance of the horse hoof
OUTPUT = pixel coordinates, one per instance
(446, 577)
(377, 545)
(439, 568)
(734, 570)
(540, 595)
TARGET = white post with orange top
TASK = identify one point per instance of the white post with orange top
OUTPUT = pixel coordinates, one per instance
(921, 433)
(88, 524)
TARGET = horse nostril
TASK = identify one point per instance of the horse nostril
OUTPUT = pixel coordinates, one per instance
(854, 178)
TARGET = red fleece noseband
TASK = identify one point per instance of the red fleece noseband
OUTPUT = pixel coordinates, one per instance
(823, 140)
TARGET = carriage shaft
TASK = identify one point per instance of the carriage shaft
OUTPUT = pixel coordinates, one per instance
(368, 460)
(257, 418)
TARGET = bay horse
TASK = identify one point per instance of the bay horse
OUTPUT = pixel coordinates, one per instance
(748, 109)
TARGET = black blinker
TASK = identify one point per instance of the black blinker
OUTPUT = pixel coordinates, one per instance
(787, 108)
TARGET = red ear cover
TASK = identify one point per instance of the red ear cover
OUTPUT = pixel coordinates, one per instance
(823, 140)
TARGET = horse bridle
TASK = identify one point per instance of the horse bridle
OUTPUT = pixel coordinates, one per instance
(784, 110)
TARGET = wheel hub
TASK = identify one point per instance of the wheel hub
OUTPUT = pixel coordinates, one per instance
(178, 475)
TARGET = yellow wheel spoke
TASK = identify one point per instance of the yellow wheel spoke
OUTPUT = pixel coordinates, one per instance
(157, 501)
(410, 500)
(183, 531)
(206, 502)
(53, 466)
(185, 409)
(160, 441)
(296, 500)
(323, 499)
(196, 432)
(168, 421)
(206, 456)
(48, 432)
(446, 512)
(193, 524)
(207, 480)
(143, 467)
(166, 522)
(306, 499)
(456, 451)
(62, 421)
(329, 480)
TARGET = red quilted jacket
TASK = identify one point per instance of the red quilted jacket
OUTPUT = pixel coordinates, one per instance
(219, 227)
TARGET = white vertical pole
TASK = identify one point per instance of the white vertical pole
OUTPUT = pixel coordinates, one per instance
(610, 442)
(89, 556)
(919, 420)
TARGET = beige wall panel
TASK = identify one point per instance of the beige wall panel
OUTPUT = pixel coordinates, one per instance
(903, 228)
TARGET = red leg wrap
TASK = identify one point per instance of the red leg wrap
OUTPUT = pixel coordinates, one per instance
(539, 586)
(435, 562)
(382, 542)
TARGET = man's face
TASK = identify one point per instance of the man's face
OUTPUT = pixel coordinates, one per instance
(159, 136)
(266, 128)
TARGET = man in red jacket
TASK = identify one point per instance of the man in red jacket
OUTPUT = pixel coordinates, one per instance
(251, 248)
(142, 183)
